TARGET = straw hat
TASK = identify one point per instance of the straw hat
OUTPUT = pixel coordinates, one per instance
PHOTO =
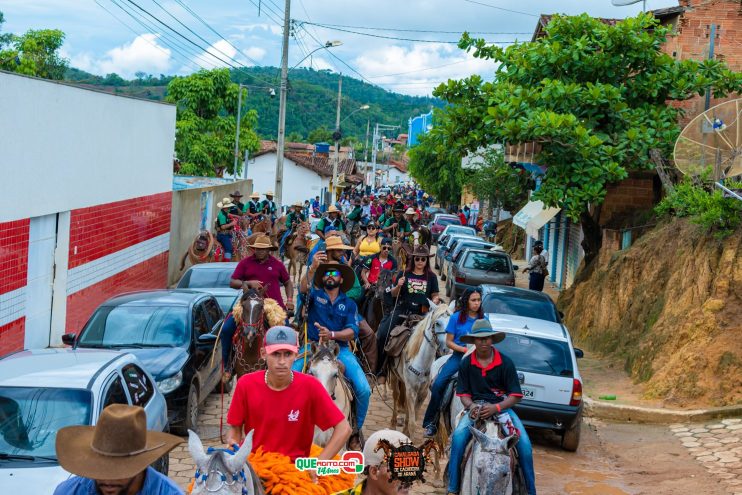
(226, 203)
(255, 195)
(335, 242)
(262, 241)
(269, 193)
(346, 272)
(117, 447)
(410, 211)
(298, 203)
(333, 209)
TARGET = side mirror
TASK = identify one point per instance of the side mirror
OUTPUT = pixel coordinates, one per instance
(206, 338)
(579, 353)
(69, 339)
(516, 268)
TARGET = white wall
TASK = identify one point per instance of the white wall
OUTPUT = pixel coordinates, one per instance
(299, 183)
(395, 176)
(63, 148)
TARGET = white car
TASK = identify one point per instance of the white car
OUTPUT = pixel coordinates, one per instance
(44, 390)
(212, 278)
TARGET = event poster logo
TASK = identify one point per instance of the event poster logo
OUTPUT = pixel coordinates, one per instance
(351, 463)
(407, 463)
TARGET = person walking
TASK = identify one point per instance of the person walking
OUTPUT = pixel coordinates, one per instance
(460, 324)
(536, 269)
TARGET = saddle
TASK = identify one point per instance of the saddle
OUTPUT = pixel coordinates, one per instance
(399, 335)
(448, 395)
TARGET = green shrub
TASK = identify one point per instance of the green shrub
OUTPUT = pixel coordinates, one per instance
(710, 209)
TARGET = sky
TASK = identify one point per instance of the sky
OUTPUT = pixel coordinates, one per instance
(105, 36)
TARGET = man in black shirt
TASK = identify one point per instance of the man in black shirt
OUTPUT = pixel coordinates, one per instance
(487, 386)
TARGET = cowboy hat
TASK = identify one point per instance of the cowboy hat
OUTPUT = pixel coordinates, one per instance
(226, 203)
(335, 242)
(410, 211)
(333, 209)
(398, 206)
(269, 193)
(346, 272)
(298, 203)
(262, 241)
(422, 251)
(117, 447)
(236, 194)
(255, 195)
(481, 329)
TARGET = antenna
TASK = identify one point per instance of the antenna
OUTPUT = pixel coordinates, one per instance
(624, 3)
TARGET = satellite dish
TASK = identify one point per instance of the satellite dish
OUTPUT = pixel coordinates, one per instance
(713, 138)
(624, 3)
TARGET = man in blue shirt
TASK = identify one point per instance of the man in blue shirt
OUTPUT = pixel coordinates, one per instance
(332, 316)
(113, 457)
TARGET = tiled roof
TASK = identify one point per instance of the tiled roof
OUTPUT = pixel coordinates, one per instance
(322, 164)
(399, 165)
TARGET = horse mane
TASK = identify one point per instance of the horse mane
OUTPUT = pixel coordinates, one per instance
(274, 313)
(418, 334)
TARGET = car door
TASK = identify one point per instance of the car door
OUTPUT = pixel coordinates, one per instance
(112, 392)
(202, 349)
(215, 317)
(143, 393)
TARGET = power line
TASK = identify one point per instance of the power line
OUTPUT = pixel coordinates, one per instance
(338, 58)
(405, 30)
(501, 8)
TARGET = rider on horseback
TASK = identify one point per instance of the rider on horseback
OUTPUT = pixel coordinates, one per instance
(239, 206)
(396, 224)
(268, 206)
(293, 219)
(224, 227)
(252, 207)
(488, 376)
(331, 220)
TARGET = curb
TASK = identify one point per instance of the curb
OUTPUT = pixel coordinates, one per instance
(638, 414)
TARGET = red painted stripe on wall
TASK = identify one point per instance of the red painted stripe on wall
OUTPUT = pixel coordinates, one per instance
(151, 274)
(107, 228)
(12, 336)
(13, 254)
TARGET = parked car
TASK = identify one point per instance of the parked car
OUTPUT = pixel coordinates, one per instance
(440, 222)
(541, 348)
(480, 266)
(457, 247)
(174, 334)
(42, 391)
(435, 210)
(455, 230)
(383, 190)
(445, 243)
(212, 278)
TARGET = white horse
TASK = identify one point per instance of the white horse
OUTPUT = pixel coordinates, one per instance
(410, 372)
(221, 473)
(325, 367)
(488, 468)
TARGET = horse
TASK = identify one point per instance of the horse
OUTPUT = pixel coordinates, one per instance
(240, 237)
(373, 308)
(219, 472)
(405, 245)
(353, 227)
(324, 365)
(489, 467)
(204, 249)
(409, 373)
(296, 250)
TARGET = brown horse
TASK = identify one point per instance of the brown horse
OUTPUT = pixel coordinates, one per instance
(297, 251)
(373, 308)
(204, 249)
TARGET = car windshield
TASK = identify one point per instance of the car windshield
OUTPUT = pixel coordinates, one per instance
(463, 245)
(489, 262)
(148, 326)
(536, 355)
(226, 302)
(31, 416)
(513, 305)
(205, 279)
(448, 221)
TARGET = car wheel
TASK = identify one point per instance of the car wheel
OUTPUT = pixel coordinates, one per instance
(191, 419)
(227, 387)
(162, 465)
(571, 436)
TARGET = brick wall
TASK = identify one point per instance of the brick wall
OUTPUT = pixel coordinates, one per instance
(634, 193)
(13, 275)
(692, 41)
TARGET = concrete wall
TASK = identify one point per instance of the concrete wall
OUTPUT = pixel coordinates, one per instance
(193, 210)
(74, 148)
(299, 183)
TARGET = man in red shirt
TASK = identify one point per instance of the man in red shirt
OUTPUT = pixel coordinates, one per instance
(261, 269)
(284, 406)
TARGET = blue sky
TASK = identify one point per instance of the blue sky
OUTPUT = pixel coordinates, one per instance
(97, 42)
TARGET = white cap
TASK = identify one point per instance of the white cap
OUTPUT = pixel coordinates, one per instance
(371, 458)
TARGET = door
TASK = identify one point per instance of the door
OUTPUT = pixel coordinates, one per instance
(42, 242)
(202, 351)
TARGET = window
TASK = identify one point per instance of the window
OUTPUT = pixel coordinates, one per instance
(520, 306)
(150, 326)
(202, 278)
(213, 311)
(115, 393)
(200, 323)
(489, 262)
(139, 386)
(536, 355)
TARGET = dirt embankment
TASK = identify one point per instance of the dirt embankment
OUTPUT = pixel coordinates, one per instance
(669, 307)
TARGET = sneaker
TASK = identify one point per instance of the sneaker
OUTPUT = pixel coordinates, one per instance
(430, 431)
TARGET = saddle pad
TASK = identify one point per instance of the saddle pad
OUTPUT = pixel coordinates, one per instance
(397, 340)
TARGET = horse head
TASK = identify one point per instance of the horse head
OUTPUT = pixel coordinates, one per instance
(384, 281)
(492, 461)
(441, 314)
(219, 472)
(324, 364)
(201, 243)
(252, 312)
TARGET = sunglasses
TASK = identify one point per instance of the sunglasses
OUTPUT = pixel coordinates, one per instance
(370, 228)
(386, 248)
(421, 258)
(332, 273)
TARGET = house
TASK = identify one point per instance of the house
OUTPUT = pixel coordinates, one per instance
(417, 126)
(86, 214)
(397, 171)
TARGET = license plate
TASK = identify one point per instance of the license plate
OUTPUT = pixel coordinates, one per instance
(528, 393)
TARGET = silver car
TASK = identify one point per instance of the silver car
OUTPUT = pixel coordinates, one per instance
(44, 390)
(212, 278)
(480, 266)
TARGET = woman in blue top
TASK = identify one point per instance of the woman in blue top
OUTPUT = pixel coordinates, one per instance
(470, 310)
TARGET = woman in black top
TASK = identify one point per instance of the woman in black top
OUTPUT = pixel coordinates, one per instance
(409, 294)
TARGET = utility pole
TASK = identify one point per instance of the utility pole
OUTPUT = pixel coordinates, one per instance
(282, 107)
(373, 157)
(712, 41)
(237, 135)
(365, 149)
(336, 135)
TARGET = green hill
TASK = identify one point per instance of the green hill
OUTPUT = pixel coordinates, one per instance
(311, 101)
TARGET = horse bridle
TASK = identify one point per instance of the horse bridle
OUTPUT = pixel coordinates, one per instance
(223, 477)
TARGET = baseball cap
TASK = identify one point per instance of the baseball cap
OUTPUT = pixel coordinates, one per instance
(371, 458)
(281, 338)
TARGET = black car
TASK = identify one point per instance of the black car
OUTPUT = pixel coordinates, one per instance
(174, 335)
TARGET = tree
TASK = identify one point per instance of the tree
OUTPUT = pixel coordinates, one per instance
(320, 135)
(206, 123)
(437, 168)
(502, 184)
(35, 53)
(294, 137)
(594, 96)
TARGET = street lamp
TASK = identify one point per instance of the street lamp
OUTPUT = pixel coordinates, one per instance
(328, 44)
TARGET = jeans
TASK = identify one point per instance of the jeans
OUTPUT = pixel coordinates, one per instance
(460, 439)
(283, 242)
(536, 281)
(225, 239)
(226, 337)
(450, 368)
(354, 373)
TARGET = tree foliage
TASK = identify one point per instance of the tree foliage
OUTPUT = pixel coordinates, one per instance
(437, 168)
(35, 53)
(504, 185)
(206, 123)
(594, 96)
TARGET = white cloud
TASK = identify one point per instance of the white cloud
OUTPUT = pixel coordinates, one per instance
(219, 54)
(255, 52)
(142, 54)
